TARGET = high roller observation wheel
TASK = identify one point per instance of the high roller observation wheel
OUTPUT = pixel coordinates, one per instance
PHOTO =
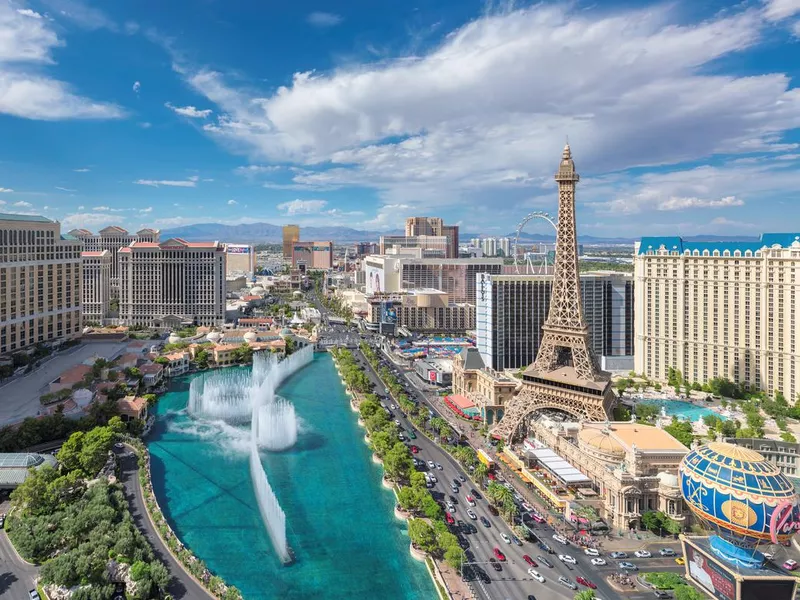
(539, 214)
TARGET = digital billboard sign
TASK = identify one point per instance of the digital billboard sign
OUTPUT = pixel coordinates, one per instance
(710, 575)
(774, 590)
(388, 313)
(233, 249)
(375, 283)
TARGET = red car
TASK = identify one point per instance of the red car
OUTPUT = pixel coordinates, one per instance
(491, 476)
(414, 449)
(449, 518)
(529, 560)
(499, 555)
(586, 582)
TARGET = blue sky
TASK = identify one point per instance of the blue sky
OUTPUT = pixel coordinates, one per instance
(683, 117)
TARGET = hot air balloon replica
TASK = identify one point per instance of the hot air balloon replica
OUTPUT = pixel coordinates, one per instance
(745, 501)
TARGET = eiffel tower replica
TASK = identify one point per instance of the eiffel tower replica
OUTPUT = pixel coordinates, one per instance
(565, 375)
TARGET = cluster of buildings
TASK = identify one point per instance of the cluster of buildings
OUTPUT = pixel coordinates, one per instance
(490, 246)
(306, 256)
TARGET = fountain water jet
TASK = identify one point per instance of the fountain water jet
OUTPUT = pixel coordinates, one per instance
(225, 395)
(275, 425)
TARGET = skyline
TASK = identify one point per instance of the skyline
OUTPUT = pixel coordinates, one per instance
(361, 118)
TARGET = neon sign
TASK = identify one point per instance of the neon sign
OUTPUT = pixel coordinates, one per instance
(782, 521)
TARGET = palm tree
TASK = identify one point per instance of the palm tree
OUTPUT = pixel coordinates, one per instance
(585, 595)
(481, 471)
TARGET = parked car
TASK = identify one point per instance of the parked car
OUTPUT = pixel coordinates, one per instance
(680, 560)
(495, 565)
(516, 540)
(505, 537)
(34, 595)
(493, 510)
(449, 518)
(661, 594)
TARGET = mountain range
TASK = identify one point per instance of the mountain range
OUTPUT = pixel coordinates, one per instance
(261, 233)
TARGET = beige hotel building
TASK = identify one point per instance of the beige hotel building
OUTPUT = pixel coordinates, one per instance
(719, 309)
(40, 282)
(96, 286)
(172, 284)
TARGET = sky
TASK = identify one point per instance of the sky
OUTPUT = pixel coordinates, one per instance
(682, 116)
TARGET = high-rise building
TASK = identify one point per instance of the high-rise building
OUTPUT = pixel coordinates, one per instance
(96, 285)
(112, 238)
(719, 309)
(172, 284)
(312, 255)
(291, 234)
(504, 245)
(511, 310)
(40, 282)
(435, 227)
(432, 246)
(489, 246)
(240, 259)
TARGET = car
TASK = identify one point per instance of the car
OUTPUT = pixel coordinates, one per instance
(495, 565)
(537, 517)
(449, 518)
(456, 482)
(454, 488)
(566, 558)
(462, 526)
(485, 522)
(470, 500)
(529, 560)
(680, 560)
(790, 565)
(474, 493)
(527, 507)
(619, 555)
(438, 466)
(401, 437)
(393, 406)
(546, 548)
(34, 595)
(667, 552)
(516, 540)
(497, 554)
(561, 539)
(567, 583)
(433, 478)
(412, 435)
(505, 537)
(431, 464)
(628, 566)
(118, 446)
(471, 514)
(482, 575)
(450, 507)
(591, 552)
(599, 562)
(661, 594)
(642, 554)
(396, 422)
(767, 555)
(585, 582)
(462, 478)
(544, 561)
(536, 575)
(414, 449)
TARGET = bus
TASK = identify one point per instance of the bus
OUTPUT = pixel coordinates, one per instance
(485, 459)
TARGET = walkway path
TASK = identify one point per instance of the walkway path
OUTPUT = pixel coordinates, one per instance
(181, 585)
(16, 576)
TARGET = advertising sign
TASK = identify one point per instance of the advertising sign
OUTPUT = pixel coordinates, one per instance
(388, 313)
(710, 575)
(432, 375)
(780, 589)
(375, 284)
(232, 249)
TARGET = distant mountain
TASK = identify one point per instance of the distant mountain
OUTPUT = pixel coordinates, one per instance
(260, 233)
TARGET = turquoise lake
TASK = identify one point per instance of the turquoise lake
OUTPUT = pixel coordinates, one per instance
(340, 519)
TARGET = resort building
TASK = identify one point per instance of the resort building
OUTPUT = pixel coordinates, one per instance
(178, 363)
(719, 309)
(312, 255)
(96, 285)
(15, 467)
(239, 260)
(291, 234)
(781, 454)
(418, 310)
(172, 284)
(511, 309)
(40, 283)
(487, 389)
(131, 408)
(424, 229)
(112, 238)
(431, 246)
(633, 468)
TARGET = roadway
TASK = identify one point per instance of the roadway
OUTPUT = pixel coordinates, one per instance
(513, 581)
(16, 576)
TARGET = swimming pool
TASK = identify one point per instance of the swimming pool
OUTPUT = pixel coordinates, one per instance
(683, 409)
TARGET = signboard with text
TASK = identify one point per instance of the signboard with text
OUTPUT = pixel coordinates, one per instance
(710, 574)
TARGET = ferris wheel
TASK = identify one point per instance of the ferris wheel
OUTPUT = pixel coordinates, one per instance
(534, 264)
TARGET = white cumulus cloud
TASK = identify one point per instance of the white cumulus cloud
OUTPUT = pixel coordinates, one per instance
(232, 202)
(189, 111)
(137, 85)
(27, 12)
(166, 182)
(302, 207)
(324, 19)
(84, 170)
(22, 204)
(777, 10)
(5, 190)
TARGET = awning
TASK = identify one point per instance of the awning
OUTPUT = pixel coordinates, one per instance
(587, 492)
(559, 467)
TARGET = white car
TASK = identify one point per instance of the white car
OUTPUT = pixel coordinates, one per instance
(393, 406)
(438, 466)
(560, 539)
(433, 478)
(450, 507)
(527, 507)
(536, 575)
(396, 422)
(566, 558)
(431, 464)
(471, 514)
(506, 539)
(642, 554)
(591, 552)
(599, 562)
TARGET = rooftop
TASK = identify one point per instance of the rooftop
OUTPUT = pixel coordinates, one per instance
(14, 467)
(645, 437)
(32, 218)
(678, 244)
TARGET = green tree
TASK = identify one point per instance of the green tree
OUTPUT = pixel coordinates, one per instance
(69, 456)
(481, 472)
(431, 508)
(585, 595)
(116, 425)
(685, 592)
(422, 535)
(788, 437)
(646, 412)
(382, 442)
(397, 462)
(652, 520)
(201, 359)
(96, 446)
(455, 557)
(681, 431)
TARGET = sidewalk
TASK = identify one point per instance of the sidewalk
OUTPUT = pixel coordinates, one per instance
(459, 590)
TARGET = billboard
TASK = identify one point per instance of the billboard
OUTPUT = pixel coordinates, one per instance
(758, 589)
(709, 574)
(234, 249)
(388, 313)
(375, 282)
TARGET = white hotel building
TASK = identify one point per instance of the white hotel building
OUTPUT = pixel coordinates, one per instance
(719, 309)
(172, 284)
(96, 286)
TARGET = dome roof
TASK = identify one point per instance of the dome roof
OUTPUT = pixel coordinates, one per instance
(173, 338)
(668, 479)
(735, 490)
(600, 440)
(250, 336)
(214, 336)
(286, 332)
(257, 290)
